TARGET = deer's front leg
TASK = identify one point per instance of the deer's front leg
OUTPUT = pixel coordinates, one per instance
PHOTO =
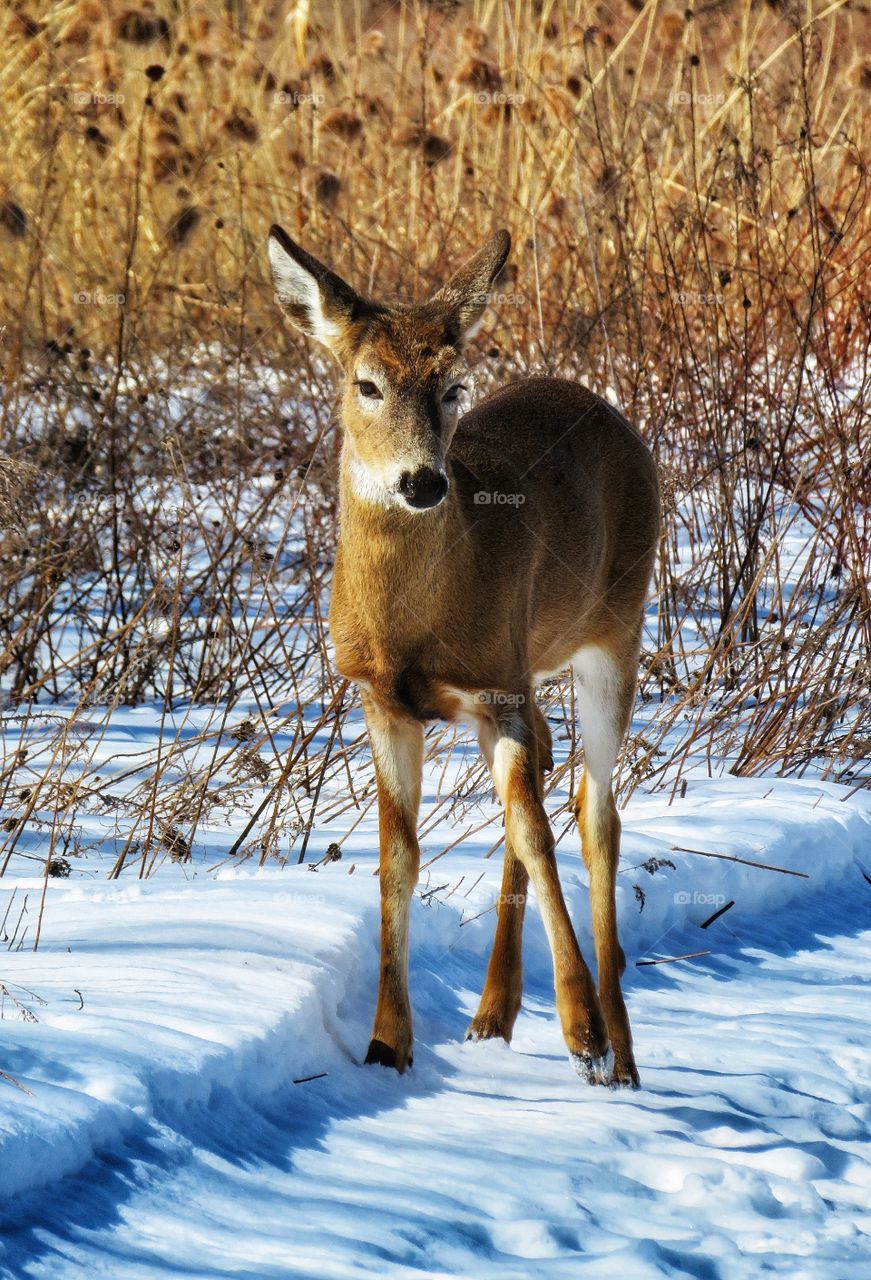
(397, 749)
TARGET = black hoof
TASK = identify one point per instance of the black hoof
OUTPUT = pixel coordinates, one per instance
(381, 1054)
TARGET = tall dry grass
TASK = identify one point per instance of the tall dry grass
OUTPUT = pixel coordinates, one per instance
(688, 196)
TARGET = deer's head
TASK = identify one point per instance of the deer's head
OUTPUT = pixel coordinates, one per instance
(403, 366)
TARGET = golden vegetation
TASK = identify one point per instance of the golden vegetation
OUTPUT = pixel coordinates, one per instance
(687, 189)
(636, 151)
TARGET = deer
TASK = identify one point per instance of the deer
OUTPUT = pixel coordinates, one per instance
(482, 550)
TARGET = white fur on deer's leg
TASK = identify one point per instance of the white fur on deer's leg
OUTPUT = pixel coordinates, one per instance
(605, 691)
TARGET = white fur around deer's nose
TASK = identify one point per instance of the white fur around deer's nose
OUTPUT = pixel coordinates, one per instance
(410, 484)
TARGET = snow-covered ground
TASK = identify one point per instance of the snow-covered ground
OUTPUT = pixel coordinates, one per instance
(189, 1101)
(181, 1092)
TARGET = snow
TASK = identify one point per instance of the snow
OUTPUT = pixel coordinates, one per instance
(163, 1134)
(182, 1092)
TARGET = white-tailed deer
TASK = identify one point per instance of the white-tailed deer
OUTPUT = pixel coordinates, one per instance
(478, 554)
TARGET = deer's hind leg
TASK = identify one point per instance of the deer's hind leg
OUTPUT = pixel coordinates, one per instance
(503, 988)
(528, 833)
(605, 693)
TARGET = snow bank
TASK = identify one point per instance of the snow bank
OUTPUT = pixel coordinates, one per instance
(157, 995)
(162, 993)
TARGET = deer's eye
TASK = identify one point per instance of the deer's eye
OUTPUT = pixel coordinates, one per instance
(453, 393)
(368, 390)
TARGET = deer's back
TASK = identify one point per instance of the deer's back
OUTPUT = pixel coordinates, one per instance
(549, 431)
(557, 483)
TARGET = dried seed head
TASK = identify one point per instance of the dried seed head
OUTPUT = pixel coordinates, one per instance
(346, 125)
(326, 188)
(241, 124)
(13, 219)
(473, 38)
(436, 148)
(137, 26)
(183, 224)
(480, 74)
(372, 43)
(322, 66)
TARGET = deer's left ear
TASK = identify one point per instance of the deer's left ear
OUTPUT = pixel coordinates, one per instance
(466, 294)
(318, 301)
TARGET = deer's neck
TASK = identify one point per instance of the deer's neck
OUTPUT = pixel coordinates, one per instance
(395, 572)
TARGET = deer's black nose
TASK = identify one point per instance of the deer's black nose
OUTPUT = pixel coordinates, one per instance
(423, 488)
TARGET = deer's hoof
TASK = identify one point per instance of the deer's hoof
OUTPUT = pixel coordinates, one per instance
(625, 1073)
(594, 1069)
(616, 1071)
(490, 1026)
(382, 1055)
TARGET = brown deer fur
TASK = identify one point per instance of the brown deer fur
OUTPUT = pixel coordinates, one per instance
(479, 553)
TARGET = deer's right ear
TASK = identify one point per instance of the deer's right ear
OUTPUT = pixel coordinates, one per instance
(318, 301)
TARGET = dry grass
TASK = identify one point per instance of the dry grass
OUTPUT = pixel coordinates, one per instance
(688, 197)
